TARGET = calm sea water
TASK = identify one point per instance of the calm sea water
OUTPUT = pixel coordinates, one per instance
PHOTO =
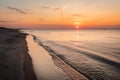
(94, 53)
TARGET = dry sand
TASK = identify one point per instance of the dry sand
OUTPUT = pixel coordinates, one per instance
(15, 62)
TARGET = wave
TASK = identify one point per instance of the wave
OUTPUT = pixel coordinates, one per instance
(93, 65)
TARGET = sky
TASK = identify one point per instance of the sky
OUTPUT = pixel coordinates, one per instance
(60, 13)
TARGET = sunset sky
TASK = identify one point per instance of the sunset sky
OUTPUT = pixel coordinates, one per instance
(60, 13)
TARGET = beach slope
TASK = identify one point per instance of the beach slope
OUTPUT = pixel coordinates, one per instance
(15, 62)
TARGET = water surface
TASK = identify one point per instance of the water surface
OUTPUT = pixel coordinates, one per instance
(94, 53)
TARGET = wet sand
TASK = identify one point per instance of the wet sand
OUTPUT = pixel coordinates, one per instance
(15, 62)
(44, 66)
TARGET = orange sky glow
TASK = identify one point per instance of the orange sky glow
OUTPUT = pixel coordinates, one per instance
(60, 13)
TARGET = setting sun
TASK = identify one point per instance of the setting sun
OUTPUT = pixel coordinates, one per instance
(77, 24)
(77, 27)
(60, 13)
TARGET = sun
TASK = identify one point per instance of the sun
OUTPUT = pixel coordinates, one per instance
(77, 27)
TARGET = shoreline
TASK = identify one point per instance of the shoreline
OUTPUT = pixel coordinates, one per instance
(43, 63)
(70, 71)
(80, 59)
(15, 62)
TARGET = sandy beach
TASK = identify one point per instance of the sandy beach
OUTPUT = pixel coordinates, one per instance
(15, 62)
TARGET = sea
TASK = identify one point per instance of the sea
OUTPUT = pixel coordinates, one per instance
(93, 53)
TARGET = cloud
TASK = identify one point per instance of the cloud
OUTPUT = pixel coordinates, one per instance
(77, 15)
(57, 9)
(7, 21)
(52, 8)
(42, 20)
(17, 10)
(46, 7)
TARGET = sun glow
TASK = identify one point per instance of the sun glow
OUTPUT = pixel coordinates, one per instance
(77, 27)
(77, 23)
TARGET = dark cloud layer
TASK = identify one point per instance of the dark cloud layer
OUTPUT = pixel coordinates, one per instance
(46, 7)
(17, 10)
(6, 21)
(57, 9)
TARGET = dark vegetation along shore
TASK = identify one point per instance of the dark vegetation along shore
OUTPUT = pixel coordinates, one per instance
(15, 62)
